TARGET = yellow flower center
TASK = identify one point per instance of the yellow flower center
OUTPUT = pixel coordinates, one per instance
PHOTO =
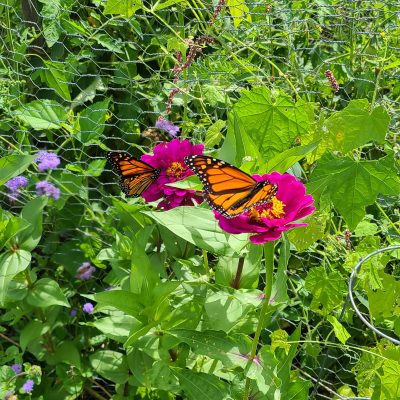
(175, 169)
(273, 210)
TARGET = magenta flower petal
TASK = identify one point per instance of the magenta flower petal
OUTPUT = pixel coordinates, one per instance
(267, 222)
(169, 157)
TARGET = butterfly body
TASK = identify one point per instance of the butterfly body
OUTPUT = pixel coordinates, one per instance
(135, 175)
(227, 189)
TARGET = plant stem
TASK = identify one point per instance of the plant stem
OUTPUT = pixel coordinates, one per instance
(269, 248)
(236, 280)
(206, 267)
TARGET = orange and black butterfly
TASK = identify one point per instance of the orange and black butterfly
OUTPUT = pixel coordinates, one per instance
(135, 175)
(227, 189)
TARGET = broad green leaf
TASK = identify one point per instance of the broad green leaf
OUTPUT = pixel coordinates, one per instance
(32, 331)
(45, 293)
(390, 380)
(279, 339)
(91, 122)
(356, 125)
(108, 42)
(42, 114)
(340, 331)
(50, 12)
(32, 212)
(54, 76)
(10, 228)
(216, 345)
(11, 264)
(327, 290)
(110, 365)
(198, 226)
(13, 165)
(89, 92)
(166, 4)
(283, 161)
(67, 352)
(123, 300)
(239, 11)
(214, 135)
(126, 8)
(352, 185)
(198, 385)
(95, 168)
(116, 327)
(366, 228)
(272, 119)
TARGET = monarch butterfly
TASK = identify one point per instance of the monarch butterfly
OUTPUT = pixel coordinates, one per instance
(135, 175)
(227, 189)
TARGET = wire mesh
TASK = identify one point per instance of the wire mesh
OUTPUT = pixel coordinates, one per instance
(76, 55)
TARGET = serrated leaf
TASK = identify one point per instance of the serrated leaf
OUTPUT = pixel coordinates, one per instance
(340, 331)
(272, 119)
(50, 11)
(125, 8)
(45, 293)
(42, 114)
(14, 165)
(390, 380)
(356, 125)
(351, 185)
(327, 290)
(239, 11)
(213, 135)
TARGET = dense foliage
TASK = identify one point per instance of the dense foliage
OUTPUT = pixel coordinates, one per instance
(104, 296)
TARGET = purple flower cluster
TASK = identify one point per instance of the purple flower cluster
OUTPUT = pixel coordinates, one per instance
(88, 308)
(47, 160)
(28, 386)
(167, 126)
(14, 185)
(85, 271)
(17, 368)
(48, 189)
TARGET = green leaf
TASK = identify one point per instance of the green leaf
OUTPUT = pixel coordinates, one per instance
(327, 290)
(198, 385)
(125, 8)
(340, 331)
(32, 212)
(110, 365)
(11, 264)
(352, 185)
(108, 42)
(216, 345)
(214, 135)
(13, 165)
(11, 228)
(356, 125)
(239, 11)
(42, 114)
(198, 226)
(45, 293)
(51, 11)
(283, 161)
(272, 119)
(31, 332)
(123, 300)
(366, 228)
(116, 327)
(166, 4)
(91, 122)
(67, 353)
(390, 380)
(95, 168)
(279, 339)
(54, 76)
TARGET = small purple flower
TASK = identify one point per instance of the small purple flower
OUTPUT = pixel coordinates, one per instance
(17, 368)
(85, 271)
(28, 386)
(73, 312)
(88, 308)
(48, 189)
(14, 185)
(167, 126)
(47, 160)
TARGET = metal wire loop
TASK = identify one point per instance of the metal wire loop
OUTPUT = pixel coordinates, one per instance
(352, 282)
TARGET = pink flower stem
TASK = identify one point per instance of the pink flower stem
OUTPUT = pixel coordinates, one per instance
(269, 248)
(236, 280)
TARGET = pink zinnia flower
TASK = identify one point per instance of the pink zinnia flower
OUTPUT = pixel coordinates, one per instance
(169, 157)
(267, 222)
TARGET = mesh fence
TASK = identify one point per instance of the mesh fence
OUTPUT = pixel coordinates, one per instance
(79, 78)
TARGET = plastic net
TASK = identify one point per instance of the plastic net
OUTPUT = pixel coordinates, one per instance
(79, 78)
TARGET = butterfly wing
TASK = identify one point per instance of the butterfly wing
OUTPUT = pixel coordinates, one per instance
(135, 175)
(227, 189)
